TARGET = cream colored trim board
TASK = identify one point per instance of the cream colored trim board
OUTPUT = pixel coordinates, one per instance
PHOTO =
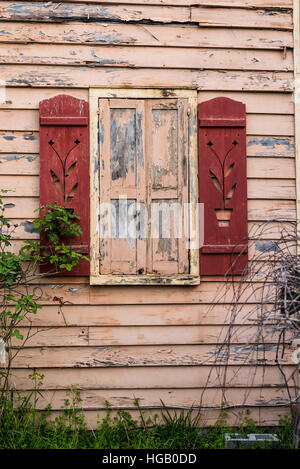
(297, 100)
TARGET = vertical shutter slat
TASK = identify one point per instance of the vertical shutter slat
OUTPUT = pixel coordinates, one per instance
(223, 186)
(64, 165)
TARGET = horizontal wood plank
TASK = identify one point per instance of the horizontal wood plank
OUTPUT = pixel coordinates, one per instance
(84, 77)
(126, 399)
(153, 377)
(42, 12)
(220, 16)
(141, 315)
(29, 98)
(265, 168)
(256, 103)
(144, 35)
(237, 3)
(270, 146)
(238, 17)
(146, 57)
(154, 355)
(142, 335)
(13, 164)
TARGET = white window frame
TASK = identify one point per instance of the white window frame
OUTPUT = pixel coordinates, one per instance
(193, 278)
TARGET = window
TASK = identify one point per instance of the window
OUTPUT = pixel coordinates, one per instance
(144, 187)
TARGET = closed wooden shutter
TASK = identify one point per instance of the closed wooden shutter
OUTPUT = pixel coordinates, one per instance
(143, 171)
(223, 186)
(64, 164)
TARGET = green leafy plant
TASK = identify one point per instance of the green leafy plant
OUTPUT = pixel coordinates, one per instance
(18, 274)
(57, 222)
(59, 226)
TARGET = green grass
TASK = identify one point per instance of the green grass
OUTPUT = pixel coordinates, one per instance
(23, 427)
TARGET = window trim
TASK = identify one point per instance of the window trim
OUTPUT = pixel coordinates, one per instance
(296, 12)
(193, 278)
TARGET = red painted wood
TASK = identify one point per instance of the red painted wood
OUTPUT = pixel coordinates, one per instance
(223, 186)
(64, 121)
(64, 163)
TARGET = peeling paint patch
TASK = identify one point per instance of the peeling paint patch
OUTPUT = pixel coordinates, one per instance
(29, 158)
(9, 205)
(100, 349)
(101, 134)
(104, 61)
(271, 142)
(29, 137)
(9, 137)
(74, 290)
(267, 246)
(28, 226)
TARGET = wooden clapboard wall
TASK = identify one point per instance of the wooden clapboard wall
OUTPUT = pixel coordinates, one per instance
(149, 342)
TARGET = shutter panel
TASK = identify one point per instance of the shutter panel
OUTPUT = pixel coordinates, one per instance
(223, 186)
(143, 172)
(64, 165)
(167, 155)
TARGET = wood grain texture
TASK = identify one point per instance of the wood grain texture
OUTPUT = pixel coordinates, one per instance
(124, 399)
(141, 315)
(43, 12)
(146, 57)
(256, 103)
(138, 315)
(83, 77)
(234, 3)
(139, 335)
(143, 35)
(135, 356)
(151, 377)
(239, 17)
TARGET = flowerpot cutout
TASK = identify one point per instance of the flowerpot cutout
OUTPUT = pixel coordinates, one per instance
(223, 216)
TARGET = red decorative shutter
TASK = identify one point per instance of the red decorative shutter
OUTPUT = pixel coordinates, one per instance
(223, 186)
(64, 164)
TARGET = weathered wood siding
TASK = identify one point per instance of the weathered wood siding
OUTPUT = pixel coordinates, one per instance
(117, 343)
